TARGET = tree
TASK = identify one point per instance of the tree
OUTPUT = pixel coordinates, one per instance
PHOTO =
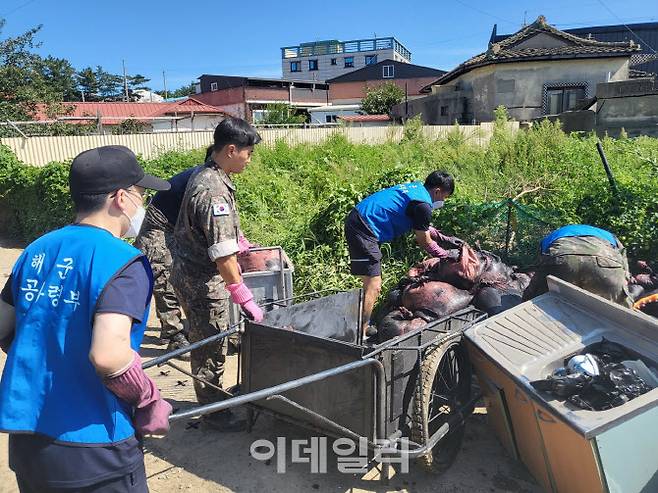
(110, 86)
(22, 85)
(59, 76)
(381, 99)
(138, 82)
(181, 92)
(281, 113)
(88, 84)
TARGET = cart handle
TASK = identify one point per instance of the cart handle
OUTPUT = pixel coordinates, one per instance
(159, 361)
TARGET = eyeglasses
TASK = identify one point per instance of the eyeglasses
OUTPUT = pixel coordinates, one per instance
(146, 200)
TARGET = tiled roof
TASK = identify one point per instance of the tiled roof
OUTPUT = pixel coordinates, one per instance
(123, 110)
(508, 50)
(365, 118)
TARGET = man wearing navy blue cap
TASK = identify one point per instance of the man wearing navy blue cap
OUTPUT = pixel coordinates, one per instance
(73, 395)
(589, 257)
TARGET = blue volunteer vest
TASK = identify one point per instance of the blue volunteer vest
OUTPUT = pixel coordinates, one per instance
(49, 386)
(577, 230)
(384, 211)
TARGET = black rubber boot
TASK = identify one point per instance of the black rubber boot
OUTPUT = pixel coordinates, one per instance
(225, 421)
(179, 341)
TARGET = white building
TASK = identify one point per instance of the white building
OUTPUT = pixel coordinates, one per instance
(323, 60)
(331, 113)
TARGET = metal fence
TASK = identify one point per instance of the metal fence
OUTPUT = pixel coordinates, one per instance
(40, 151)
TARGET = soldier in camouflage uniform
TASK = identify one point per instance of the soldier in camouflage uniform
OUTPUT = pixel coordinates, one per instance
(591, 258)
(205, 271)
(155, 240)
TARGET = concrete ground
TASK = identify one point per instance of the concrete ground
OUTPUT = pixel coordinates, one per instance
(195, 458)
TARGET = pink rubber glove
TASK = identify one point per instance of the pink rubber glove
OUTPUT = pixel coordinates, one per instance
(435, 250)
(151, 416)
(437, 235)
(241, 295)
(244, 245)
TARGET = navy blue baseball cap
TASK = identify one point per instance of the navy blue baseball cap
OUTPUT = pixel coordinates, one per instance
(110, 168)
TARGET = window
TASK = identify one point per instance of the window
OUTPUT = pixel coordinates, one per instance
(388, 71)
(312, 64)
(295, 66)
(371, 59)
(213, 86)
(334, 61)
(559, 99)
(330, 118)
(444, 111)
(349, 61)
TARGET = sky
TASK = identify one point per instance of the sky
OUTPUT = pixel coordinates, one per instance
(187, 39)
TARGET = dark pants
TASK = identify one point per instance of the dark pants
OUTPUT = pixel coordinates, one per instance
(135, 482)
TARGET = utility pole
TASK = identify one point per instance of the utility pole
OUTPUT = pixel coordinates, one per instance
(125, 81)
(164, 82)
(83, 95)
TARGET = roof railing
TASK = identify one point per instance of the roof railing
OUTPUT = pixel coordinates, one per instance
(338, 47)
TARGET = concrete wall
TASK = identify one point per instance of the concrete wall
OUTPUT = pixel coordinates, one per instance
(328, 71)
(520, 85)
(201, 122)
(354, 92)
(631, 105)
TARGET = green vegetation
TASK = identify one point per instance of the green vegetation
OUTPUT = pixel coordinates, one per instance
(379, 100)
(298, 196)
(281, 114)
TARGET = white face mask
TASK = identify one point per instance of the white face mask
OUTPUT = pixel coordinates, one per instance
(135, 221)
(438, 204)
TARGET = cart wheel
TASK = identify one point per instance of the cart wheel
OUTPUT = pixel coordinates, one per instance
(444, 388)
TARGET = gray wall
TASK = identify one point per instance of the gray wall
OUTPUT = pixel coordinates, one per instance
(327, 71)
(631, 105)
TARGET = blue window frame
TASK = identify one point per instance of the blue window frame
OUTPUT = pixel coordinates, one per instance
(312, 64)
(295, 66)
(349, 61)
(371, 59)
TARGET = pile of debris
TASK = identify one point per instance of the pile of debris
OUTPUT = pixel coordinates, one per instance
(436, 288)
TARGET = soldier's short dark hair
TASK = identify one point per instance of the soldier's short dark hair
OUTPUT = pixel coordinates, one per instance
(234, 131)
(442, 180)
(89, 202)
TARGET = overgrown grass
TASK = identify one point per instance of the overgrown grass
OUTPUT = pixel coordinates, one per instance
(298, 196)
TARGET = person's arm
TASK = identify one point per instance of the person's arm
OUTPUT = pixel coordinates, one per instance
(110, 351)
(229, 269)
(219, 223)
(7, 325)
(421, 214)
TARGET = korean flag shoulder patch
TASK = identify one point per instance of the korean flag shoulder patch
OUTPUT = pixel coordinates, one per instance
(221, 209)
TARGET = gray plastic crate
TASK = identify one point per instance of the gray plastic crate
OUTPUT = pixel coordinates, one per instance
(268, 286)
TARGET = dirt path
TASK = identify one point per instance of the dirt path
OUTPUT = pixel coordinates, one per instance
(197, 459)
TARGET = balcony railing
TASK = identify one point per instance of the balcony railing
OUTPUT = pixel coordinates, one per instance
(338, 47)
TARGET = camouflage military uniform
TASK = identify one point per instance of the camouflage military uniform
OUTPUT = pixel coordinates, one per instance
(155, 240)
(207, 229)
(588, 262)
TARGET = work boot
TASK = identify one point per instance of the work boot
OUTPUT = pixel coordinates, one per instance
(179, 341)
(225, 421)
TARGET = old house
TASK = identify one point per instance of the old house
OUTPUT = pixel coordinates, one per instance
(351, 88)
(537, 71)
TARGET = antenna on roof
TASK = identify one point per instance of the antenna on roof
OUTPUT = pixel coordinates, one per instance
(525, 15)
